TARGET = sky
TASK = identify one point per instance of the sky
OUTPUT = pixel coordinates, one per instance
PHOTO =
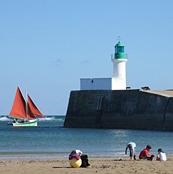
(46, 46)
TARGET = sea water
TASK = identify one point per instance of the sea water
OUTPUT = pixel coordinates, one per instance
(51, 140)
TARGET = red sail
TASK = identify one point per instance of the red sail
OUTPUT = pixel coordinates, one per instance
(33, 108)
(19, 106)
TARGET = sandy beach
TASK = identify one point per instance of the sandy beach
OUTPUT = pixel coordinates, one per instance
(98, 165)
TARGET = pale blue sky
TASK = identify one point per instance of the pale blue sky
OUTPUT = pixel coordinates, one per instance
(46, 46)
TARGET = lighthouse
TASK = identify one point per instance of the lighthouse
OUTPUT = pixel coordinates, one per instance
(118, 79)
(119, 68)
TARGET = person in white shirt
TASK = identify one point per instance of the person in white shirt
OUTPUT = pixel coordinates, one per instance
(131, 147)
(161, 156)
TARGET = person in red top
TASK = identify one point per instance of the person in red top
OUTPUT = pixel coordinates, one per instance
(145, 153)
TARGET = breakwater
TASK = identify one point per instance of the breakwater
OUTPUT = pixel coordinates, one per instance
(119, 109)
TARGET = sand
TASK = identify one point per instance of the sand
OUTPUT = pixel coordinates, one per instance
(98, 165)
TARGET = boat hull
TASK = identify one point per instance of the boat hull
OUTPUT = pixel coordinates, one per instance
(29, 123)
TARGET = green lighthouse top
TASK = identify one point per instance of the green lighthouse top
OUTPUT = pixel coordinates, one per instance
(119, 51)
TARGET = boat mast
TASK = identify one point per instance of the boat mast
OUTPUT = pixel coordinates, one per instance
(26, 104)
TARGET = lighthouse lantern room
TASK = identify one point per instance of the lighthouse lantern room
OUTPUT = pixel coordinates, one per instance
(119, 68)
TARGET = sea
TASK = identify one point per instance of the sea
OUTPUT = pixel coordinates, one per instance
(50, 140)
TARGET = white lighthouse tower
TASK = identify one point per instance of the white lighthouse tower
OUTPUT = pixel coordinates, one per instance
(119, 68)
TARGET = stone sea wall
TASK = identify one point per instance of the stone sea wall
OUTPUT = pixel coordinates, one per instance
(119, 109)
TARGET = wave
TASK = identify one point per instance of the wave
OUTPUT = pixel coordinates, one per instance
(46, 118)
(4, 118)
(51, 118)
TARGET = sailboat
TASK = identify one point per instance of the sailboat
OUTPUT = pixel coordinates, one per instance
(24, 113)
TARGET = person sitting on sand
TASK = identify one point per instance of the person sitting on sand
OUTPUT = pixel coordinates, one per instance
(75, 158)
(145, 153)
(131, 147)
(77, 155)
(161, 156)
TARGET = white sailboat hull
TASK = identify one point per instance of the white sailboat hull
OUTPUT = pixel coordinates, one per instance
(28, 123)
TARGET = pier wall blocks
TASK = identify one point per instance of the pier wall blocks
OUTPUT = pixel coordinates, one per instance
(119, 109)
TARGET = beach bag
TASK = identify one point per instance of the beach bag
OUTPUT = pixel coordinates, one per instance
(85, 162)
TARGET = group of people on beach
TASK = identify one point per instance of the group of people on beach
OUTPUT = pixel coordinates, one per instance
(145, 153)
(78, 159)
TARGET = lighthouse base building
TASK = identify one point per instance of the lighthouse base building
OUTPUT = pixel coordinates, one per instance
(102, 84)
(96, 84)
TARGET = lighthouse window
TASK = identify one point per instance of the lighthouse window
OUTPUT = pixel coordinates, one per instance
(120, 49)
